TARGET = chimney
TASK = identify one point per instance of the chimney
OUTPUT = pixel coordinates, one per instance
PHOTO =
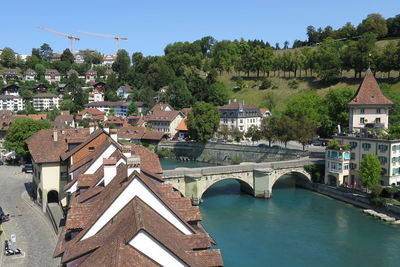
(110, 170)
(133, 164)
(113, 134)
(234, 100)
(230, 100)
(55, 135)
(126, 151)
(91, 128)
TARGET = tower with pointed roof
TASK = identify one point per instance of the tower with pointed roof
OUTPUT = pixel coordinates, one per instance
(369, 106)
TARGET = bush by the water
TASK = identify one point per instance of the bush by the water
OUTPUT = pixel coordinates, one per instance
(389, 192)
(236, 160)
(266, 83)
(376, 190)
(164, 153)
(378, 201)
(317, 172)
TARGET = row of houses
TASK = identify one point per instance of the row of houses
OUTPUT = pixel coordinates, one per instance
(40, 102)
(119, 211)
(52, 75)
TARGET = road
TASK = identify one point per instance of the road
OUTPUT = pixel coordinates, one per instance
(33, 231)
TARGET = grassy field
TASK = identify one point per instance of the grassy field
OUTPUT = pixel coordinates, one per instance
(282, 91)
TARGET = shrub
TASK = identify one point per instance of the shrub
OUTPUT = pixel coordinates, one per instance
(164, 153)
(376, 190)
(293, 84)
(317, 172)
(397, 195)
(239, 82)
(274, 87)
(266, 83)
(388, 192)
(236, 160)
(378, 201)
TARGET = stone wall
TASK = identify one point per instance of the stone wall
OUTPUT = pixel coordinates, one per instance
(227, 153)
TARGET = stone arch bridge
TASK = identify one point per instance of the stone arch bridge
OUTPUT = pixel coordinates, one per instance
(256, 179)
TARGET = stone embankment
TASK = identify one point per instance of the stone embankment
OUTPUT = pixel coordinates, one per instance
(381, 216)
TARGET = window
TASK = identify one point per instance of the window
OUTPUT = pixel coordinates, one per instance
(362, 111)
(353, 166)
(346, 155)
(382, 148)
(394, 159)
(362, 156)
(377, 120)
(378, 111)
(91, 148)
(346, 167)
(361, 120)
(383, 171)
(383, 160)
(366, 146)
(353, 144)
(241, 121)
(353, 155)
(394, 148)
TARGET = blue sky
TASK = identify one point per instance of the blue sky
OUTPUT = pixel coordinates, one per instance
(152, 24)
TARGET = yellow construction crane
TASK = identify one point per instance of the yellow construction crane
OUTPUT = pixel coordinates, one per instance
(117, 38)
(69, 36)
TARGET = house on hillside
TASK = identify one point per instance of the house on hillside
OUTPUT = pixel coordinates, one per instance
(90, 114)
(108, 60)
(124, 91)
(119, 108)
(12, 89)
(11, 103)
(240, 116)
(163, 119)
(72, 72)
(30, 75)
(91, 76)
(45, 101)
(10, 74)
(52, 76)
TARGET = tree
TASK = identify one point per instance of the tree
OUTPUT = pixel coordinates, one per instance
(52, 114)
(223, 132)
(45, 52)
(67, 56)
(7, 58)
(74, 92)
(387, 58)
(121, 64)
(285, 130)
(374, 23)
(236, 134)
(203, 121)
(393, 25)
(178, 94)
(335, 102)
(132, 109)
(20, 131)
(304, 131)
(253, 133)
(328, 62)
(370, 170)
(268, 129)
(218, 94)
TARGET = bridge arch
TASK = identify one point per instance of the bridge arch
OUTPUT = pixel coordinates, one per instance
(245, 186)
(300, 174)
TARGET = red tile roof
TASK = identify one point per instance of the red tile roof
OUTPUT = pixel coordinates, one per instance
(182, 126)
(369, 93)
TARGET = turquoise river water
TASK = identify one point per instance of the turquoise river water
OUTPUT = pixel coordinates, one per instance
(296, 227)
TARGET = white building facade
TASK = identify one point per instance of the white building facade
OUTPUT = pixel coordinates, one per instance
(12, 103)
(42, 102)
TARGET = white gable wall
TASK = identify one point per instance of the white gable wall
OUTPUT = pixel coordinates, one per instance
(150, 247)
(99, 161)
(137, 189)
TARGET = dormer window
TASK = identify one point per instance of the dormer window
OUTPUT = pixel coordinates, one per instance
(91, 149)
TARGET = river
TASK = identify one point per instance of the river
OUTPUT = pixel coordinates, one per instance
(296, 227)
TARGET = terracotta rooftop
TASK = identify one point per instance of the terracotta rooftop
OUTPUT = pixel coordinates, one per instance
(369, 93)
(110, 245)
(182, 126)
(108, 103)
(44, 149)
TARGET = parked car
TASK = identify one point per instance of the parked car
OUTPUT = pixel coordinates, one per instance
(4, 217)
(262, 145)
(28, 168)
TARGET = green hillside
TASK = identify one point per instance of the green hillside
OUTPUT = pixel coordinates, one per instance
(282, 91)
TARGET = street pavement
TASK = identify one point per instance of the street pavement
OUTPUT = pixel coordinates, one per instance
(34, 234)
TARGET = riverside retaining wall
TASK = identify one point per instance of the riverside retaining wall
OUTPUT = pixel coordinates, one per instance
(228, 153)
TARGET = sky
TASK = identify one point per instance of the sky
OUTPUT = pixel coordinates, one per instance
(150, 25)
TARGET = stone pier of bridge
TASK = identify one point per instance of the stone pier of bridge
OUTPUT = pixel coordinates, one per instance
(256, 179)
